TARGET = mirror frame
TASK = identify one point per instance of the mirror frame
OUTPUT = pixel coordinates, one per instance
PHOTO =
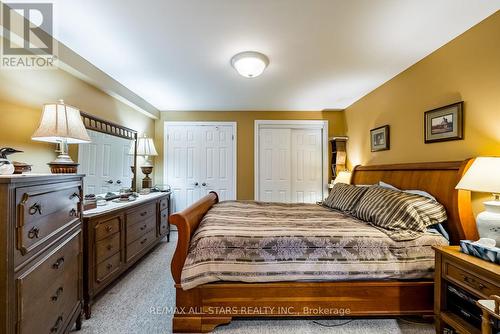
(94, 123)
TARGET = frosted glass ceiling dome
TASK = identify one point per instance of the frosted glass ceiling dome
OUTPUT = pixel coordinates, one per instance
(250, 64)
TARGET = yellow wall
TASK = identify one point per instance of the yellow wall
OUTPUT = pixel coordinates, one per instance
(245, 136)
(22, 94)
(466, 69)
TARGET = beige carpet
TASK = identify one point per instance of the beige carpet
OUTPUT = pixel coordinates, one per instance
(139, 303)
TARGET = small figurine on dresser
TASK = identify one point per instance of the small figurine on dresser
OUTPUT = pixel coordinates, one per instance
(6, 167)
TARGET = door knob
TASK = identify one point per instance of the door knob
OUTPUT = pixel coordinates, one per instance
(119, 182)
(204, 184)
(109, 181)
(196, 184)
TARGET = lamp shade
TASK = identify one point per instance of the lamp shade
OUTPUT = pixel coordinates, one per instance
(61, 122)
(131, 150)
(482, 176)
(146, 146)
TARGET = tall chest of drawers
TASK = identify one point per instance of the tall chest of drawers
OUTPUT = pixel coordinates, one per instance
(41, 259)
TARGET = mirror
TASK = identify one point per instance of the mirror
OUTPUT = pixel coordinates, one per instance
(108, 162)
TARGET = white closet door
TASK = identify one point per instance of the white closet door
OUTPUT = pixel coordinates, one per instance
(274, 161)
(182, 163)
(216, 169)
(306, 163)
(199, 158)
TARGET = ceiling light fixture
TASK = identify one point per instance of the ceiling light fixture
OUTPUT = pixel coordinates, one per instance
(250, 64)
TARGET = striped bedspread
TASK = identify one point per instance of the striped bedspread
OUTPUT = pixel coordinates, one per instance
(268, 242)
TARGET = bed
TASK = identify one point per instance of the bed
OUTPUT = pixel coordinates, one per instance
(204, 301)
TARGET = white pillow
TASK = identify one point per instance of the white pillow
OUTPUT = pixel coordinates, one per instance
(415, 192)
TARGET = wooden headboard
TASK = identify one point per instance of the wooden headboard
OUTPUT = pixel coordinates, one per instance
(438, 179)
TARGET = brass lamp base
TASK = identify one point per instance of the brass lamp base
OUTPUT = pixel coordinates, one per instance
(63, 164)
(147, 182)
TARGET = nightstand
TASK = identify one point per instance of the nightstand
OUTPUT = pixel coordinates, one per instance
(460, 280)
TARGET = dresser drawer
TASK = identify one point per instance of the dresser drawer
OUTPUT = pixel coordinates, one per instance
(43, 211)
(140, 244)
(50, 290)
(108, 268)
(141, 213)
(106, 227)
(472, 282)
(164, 226)
(164, 203)
(107, 247)
(139, 229)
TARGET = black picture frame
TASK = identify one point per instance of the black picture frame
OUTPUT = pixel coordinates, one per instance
(380, 139)
(444, 123)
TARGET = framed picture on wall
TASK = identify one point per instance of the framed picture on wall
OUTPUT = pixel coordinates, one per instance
(380, 139)
(443, 124)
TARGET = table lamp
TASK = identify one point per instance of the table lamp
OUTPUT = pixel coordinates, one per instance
(146, 148)
(61, 124)
(484, 176)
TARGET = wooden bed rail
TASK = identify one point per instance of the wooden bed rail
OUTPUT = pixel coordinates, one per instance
(187, 222)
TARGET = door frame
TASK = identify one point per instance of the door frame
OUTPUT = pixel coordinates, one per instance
(234, 126)
(290, 124)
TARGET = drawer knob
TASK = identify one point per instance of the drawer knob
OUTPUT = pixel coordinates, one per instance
(109, 228)
(109, 266)
(144, 213)
(35, 208)
(76, 195)
(110, 247)
(58, 293)
(473, 282)
(58, 263)
(143, 241)
(56, 326)
(73, 213)
(34, 233)
(143, 227)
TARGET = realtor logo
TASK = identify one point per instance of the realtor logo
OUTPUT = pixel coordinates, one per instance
(27, 35)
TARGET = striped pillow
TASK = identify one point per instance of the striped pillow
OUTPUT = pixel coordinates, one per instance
(344, 197)
(400, 215)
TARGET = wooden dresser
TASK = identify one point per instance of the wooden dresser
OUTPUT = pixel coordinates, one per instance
(119, 234)
(470, 276)
(40, 253)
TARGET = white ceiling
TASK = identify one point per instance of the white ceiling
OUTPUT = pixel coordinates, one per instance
(324, 54)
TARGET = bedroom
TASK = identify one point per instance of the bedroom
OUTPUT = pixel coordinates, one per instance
(406, 90)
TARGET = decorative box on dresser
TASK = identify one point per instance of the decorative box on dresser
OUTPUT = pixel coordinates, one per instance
(117, 236)
(40, 253)
(473, 278)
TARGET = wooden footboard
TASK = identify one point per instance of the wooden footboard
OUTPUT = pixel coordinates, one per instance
(187, 222)
(189, 317)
